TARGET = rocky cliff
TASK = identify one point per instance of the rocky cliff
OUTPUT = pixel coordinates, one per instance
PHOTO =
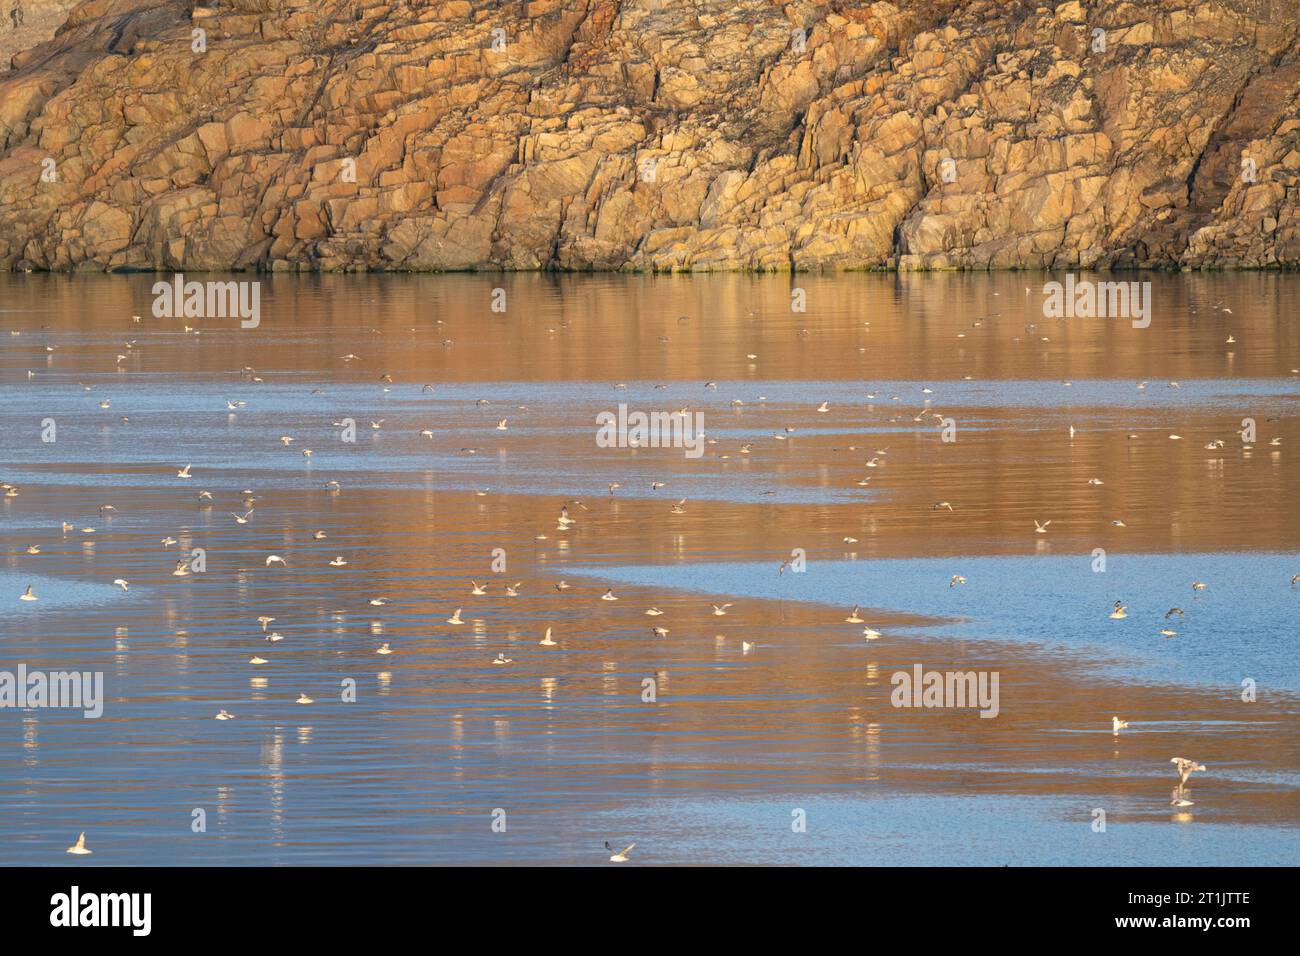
(36, 23)
(655, 134)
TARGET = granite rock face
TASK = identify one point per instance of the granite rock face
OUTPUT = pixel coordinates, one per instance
(37, 22)
(655, 134)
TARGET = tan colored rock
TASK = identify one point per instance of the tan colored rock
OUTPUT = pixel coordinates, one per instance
(649, 135)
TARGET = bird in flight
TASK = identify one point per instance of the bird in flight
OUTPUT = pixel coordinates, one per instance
(621, 856)
(1185, 769)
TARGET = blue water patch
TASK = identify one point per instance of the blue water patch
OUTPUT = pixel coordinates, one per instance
(1243, 625)
(53, 594)
(941, 830)
(190, 392)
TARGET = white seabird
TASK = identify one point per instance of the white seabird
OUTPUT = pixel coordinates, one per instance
(621, 856)
(1185, 768)
(79, 848)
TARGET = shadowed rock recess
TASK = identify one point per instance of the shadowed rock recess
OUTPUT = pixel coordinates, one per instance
(656, 135)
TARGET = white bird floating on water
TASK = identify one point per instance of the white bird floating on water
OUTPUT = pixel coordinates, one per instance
(853, 617)
(79, 848)
(1041, 528)
(546, 641)
(455, 618)
(27, 595)
(223, 715)
(1119, 613)
(1116, 725)
(120, 583)
(275, 559)
(721, 610)
(384, 649)
(304, 699)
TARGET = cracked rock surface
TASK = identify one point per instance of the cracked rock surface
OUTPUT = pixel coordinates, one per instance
(655, 134)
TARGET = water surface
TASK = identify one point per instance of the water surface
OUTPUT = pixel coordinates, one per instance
(408, 758)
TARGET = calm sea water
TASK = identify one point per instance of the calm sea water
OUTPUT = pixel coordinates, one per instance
(1244, 627)
(562, 743)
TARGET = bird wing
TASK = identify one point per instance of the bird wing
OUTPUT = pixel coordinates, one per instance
(627, 851)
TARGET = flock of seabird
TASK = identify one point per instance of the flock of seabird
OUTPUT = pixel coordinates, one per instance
(1185, 767)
